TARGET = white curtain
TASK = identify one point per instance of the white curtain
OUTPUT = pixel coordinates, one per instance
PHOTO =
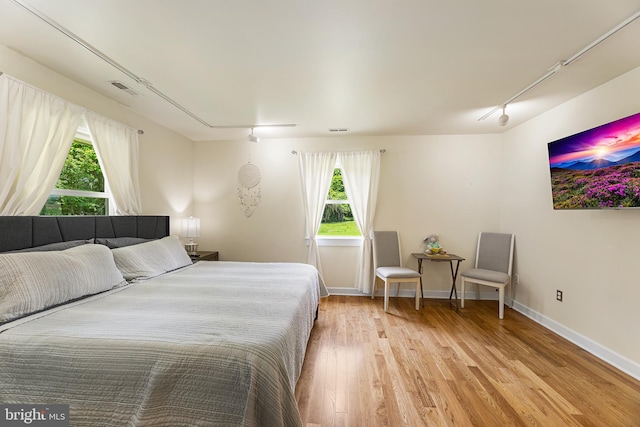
(36, 131)
(360, 174)
(316, 170)
(117, 148)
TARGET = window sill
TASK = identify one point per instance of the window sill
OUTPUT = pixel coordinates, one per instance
(338, 240)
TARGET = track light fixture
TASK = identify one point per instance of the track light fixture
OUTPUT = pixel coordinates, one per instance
(504, 118)
(253, 138)
(557, 67)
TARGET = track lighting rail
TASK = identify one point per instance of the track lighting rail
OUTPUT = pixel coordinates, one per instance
(129, 73)
(561, 64)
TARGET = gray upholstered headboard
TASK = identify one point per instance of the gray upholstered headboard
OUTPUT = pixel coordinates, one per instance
(19, 232)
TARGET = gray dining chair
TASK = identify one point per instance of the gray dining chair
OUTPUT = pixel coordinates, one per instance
(494, 263)
(388, 266)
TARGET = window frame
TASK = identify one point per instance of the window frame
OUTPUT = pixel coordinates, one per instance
(83, 135)
(328, 240)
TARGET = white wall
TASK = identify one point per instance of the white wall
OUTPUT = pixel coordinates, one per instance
(166, 170)
(428, 184)
(590, 255)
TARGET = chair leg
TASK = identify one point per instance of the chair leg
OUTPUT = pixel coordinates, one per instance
(462, 291)
(501, 302)
(418, 295)
(386, 295)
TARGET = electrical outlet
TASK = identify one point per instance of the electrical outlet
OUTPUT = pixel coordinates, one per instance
(559, 295)
(516, 279)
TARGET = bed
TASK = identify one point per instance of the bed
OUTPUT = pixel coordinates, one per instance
(159, 341)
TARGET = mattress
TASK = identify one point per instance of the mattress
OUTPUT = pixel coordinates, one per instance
(215, 343)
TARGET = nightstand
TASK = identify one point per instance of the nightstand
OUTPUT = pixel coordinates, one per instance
(205, 256)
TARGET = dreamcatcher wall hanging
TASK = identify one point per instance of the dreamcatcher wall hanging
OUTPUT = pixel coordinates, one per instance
(248, 189)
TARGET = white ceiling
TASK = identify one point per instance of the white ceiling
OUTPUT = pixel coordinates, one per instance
(376, 67)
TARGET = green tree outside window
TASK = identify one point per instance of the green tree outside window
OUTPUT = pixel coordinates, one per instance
(81, 172)
(337, 218)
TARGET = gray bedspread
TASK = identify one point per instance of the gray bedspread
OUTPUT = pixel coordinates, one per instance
(214, 344)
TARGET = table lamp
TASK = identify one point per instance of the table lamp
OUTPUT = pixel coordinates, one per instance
(191, 229)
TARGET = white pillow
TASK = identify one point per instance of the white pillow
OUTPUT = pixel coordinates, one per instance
(32, 281)
(150, 259)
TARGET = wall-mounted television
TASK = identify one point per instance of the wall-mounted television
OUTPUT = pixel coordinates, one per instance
(598, 168)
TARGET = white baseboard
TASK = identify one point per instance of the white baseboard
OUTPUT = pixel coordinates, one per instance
(406, 293)
(352, 292)
(620, 362)
(614, 359)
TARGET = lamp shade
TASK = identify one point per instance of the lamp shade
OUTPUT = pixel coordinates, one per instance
(191, 227)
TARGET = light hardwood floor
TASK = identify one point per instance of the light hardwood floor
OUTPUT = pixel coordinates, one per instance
(439, 367)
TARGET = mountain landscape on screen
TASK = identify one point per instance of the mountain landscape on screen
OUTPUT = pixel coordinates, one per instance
(598, 168)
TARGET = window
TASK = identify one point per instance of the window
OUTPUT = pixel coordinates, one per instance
(80, 189)
(337, 219)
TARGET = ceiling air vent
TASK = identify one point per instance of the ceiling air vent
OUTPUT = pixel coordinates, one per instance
(338, 129)
(124, 87)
